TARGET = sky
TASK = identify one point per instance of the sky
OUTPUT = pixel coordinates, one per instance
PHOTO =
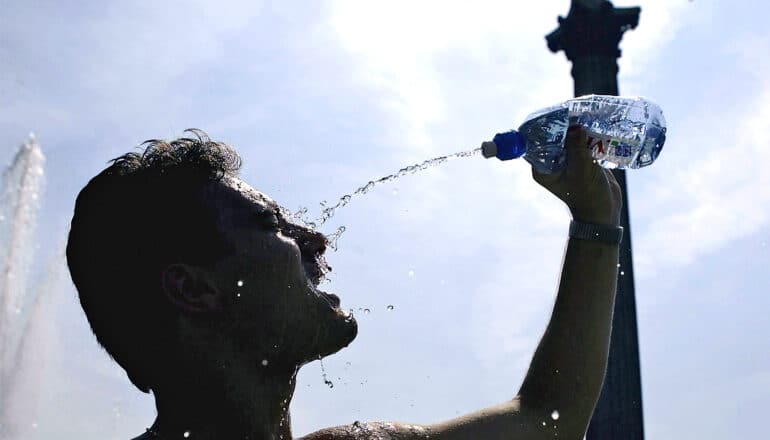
(321, 97)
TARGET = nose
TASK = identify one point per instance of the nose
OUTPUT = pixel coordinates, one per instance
(311, 242)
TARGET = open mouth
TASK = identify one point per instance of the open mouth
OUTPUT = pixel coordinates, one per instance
(315, 272)
(333, 299)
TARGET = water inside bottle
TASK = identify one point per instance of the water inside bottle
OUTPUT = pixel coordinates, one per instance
(622, 132)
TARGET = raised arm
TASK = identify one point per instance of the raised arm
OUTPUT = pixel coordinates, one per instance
(565, 377)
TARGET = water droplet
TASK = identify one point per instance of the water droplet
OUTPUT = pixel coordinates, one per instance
(264, 362)
(238, 295)
(411, 273)
(390, 307)
(555, 415)
(186, 434)
(622, 273)
(618, 264)
(366, 311)
(543, 423)
(240, 283)
(329, 383)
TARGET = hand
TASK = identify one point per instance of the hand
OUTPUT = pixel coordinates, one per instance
(591, 192)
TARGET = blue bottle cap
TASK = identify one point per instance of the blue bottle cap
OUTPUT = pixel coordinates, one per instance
(510, 145)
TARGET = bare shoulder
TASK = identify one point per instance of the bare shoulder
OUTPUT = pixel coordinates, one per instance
(372, 431)
(506, 421)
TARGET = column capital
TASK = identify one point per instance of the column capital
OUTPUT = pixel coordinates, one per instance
(592, 28)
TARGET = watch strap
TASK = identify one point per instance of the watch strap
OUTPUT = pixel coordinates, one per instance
(592, 232)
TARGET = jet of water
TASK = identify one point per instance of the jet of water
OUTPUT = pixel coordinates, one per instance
(21, 187)
(328, 211)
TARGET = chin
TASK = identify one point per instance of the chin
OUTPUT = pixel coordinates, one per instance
(336, 331)
(338, 334)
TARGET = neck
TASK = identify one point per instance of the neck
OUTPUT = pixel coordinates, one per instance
(233, 403)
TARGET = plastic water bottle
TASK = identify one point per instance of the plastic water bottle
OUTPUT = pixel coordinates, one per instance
(623, 132)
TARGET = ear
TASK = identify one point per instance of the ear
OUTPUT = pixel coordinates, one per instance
(188, 288)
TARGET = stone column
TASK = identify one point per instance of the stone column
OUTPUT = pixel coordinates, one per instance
(589, 36)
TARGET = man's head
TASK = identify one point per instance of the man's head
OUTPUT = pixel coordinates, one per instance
(177, 260)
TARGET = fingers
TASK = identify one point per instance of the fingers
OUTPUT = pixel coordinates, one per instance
(574, 138)
(545, 178)
(580, 162)
(581, 169)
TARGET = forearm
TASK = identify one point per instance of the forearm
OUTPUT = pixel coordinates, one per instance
(567, 370)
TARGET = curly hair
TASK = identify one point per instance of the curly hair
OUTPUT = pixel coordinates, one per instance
(145, 211)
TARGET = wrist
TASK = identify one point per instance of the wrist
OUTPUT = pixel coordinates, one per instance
(607, 218)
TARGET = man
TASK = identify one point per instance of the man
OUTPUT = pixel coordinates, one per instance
(206, 293)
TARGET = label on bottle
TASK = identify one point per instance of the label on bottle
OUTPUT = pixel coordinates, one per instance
(607, 148)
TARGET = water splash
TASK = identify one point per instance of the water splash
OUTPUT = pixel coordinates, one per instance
(328, 211)
(300, 216)
(334, 237)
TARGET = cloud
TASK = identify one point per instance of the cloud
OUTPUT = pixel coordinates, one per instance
(112, 61)
(717, 194)
(659, 23)
(401, 45)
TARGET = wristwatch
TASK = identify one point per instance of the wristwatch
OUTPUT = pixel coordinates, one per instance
(601, 233)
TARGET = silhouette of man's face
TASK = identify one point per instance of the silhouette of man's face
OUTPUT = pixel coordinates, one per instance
(269, 284)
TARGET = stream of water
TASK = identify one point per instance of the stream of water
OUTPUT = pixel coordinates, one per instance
(327, 211)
